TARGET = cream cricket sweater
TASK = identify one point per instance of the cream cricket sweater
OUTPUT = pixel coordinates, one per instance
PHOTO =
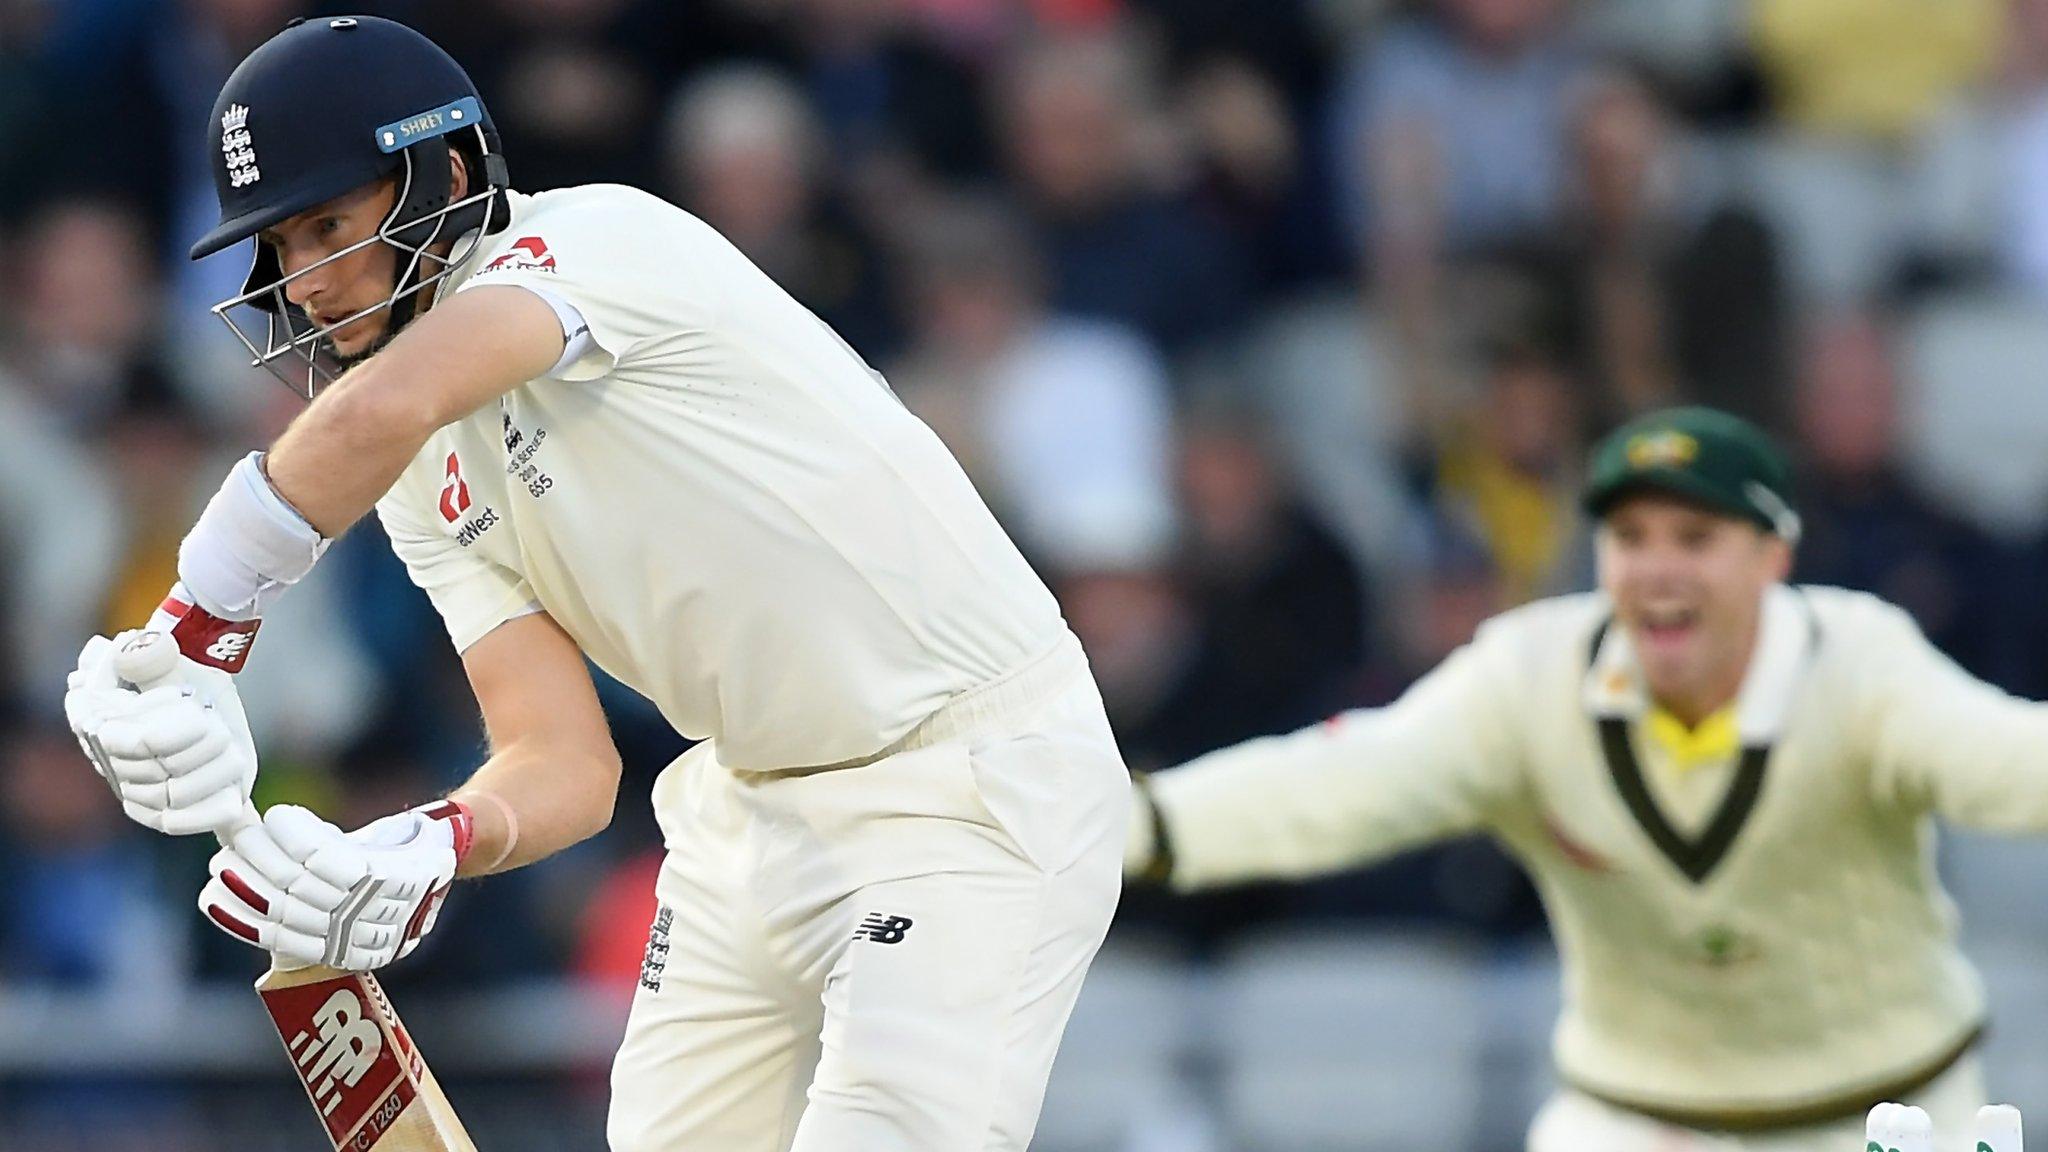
(1752, 938)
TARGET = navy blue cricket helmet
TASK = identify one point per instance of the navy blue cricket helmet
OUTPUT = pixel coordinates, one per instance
(323, 108)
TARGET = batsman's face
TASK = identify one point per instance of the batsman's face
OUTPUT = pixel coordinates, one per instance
(329, 292)
(1688, 585)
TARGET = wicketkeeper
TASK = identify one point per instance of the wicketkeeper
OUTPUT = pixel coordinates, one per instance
(1724, 787)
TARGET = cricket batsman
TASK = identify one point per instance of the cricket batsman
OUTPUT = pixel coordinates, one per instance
(594, 431)
(1723, 787)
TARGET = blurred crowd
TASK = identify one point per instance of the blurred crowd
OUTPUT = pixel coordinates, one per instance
(1274, 330)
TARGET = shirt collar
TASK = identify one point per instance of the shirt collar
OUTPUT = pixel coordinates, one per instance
(1614, 684)
(517, 203)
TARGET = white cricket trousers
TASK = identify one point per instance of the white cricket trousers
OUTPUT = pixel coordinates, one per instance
(1575, 1122)
(878, 958)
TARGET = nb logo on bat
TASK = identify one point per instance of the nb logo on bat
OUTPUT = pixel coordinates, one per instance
(343, 1047)
(880, 929)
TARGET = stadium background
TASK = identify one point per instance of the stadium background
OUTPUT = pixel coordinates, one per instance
(1275, 331)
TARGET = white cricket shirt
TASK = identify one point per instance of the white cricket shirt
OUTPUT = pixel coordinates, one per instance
(1755, 937)
(720, 501)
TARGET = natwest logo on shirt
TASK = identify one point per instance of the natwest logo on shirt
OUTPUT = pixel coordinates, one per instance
(527, 252)
(455, 507)
(454, 492)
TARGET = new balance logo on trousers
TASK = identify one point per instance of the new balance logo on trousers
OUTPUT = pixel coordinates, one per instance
(880, 929)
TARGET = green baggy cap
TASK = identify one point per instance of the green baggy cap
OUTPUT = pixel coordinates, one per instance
(1704, 455)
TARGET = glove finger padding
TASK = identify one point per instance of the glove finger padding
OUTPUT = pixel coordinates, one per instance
(159, 723)
(128, 772)
(229, 912)
(259, 848)
(177, 753)
(312, 893)
(265, 898)
(176, 762)
(191, 819)
(293, 934)
(320, 848)
(206, 778)
(187, 777)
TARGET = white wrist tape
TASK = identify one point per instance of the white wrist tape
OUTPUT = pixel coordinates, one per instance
(247, 547)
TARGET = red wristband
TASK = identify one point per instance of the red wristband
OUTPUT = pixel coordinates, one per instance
(461, 823)
(207, 639)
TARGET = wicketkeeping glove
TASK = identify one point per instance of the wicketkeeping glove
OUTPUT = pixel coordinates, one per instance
(310, 893)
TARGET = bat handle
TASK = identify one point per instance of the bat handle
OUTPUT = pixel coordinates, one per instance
(243, 821)
(147, 660)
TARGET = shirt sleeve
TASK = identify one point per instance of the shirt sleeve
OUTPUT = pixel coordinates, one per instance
(605, 259)
(472, 594)
(1363, 785)
(1946, 742)
(577, 342)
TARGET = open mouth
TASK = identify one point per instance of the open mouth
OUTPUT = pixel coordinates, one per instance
(1665, 627)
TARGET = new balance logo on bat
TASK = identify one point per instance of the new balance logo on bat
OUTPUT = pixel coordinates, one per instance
(880, 929)
(347, 1045)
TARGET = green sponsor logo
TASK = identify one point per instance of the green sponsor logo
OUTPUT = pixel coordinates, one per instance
(1722, 946)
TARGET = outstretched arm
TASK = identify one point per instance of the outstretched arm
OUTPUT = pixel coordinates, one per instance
(1348, 791)
(1944, 741)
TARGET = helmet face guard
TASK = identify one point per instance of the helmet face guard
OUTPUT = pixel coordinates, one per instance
(301, 353)
(321, 109)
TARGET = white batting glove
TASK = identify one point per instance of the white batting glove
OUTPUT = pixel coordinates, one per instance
(309, 893)
(167, 734)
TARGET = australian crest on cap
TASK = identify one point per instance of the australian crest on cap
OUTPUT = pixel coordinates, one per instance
(1668, 448)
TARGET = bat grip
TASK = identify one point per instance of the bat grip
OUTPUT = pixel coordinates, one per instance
(242, 821)
(147, 660)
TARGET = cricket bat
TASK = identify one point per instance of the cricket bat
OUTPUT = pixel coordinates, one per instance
(366, 1079)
